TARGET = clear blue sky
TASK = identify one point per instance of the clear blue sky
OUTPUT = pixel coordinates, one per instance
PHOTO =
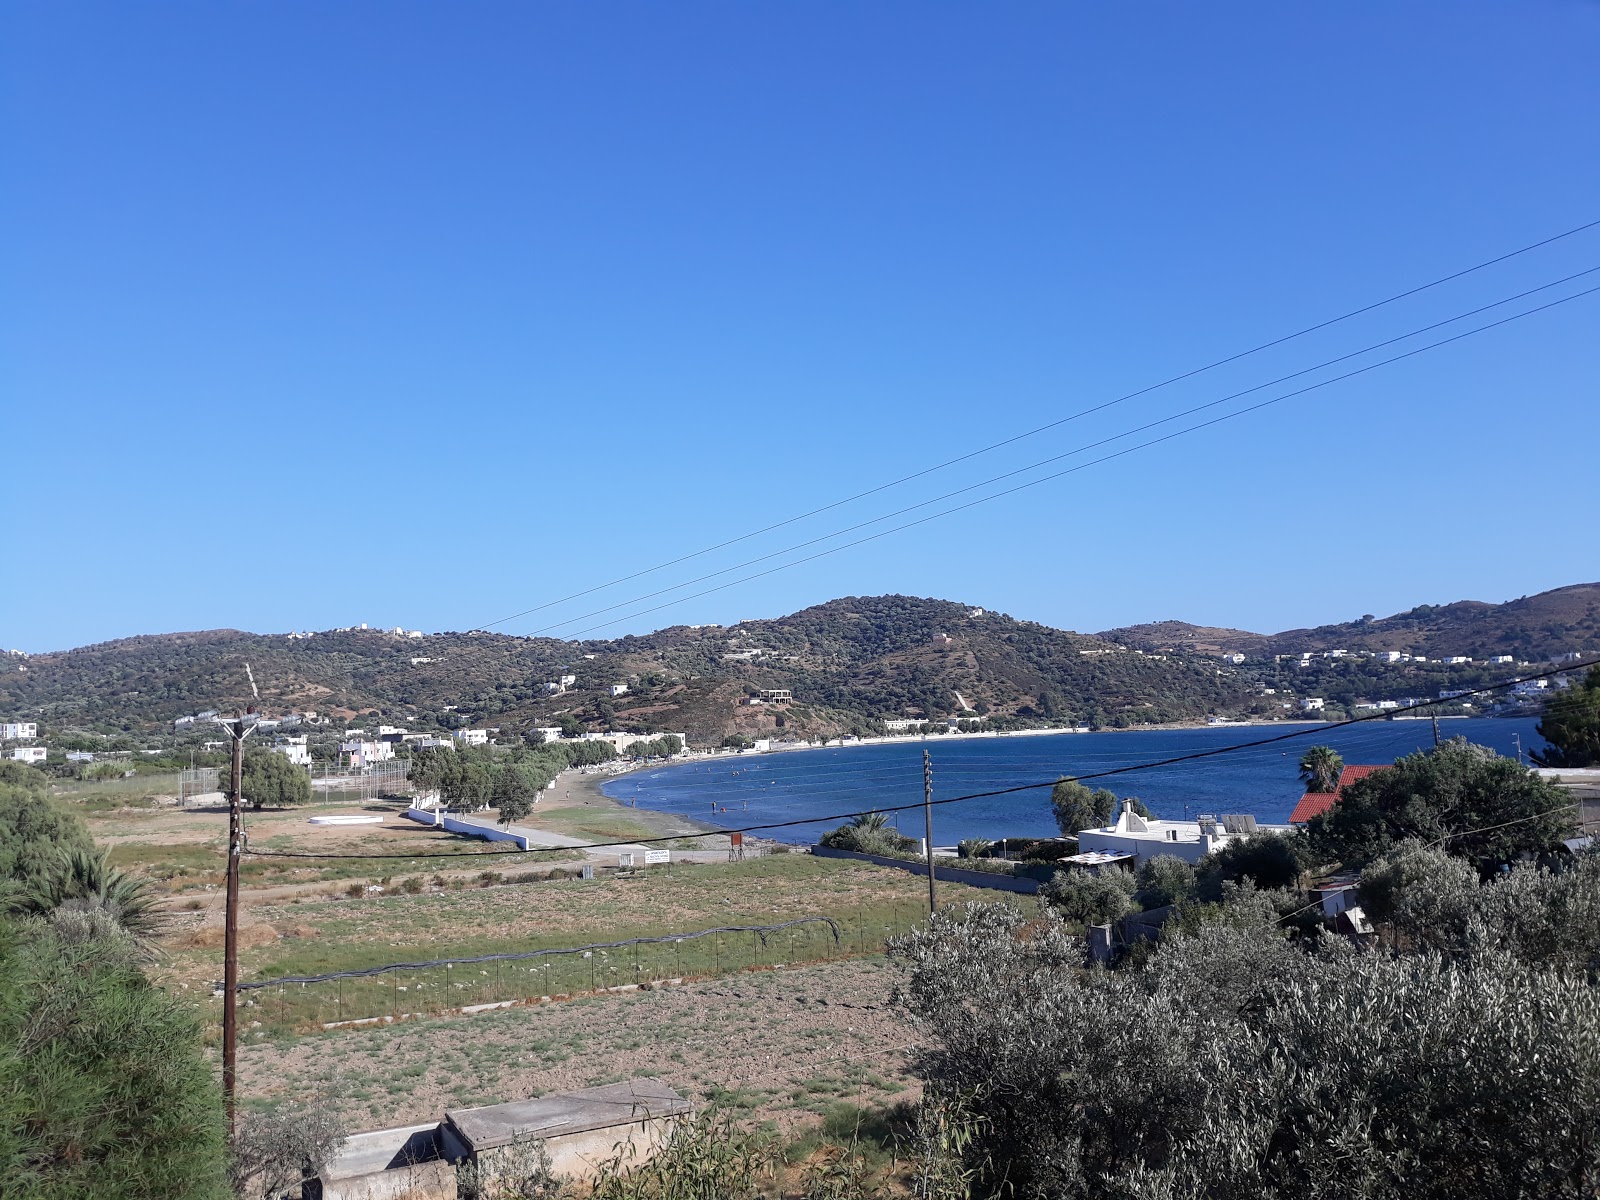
(438, 312)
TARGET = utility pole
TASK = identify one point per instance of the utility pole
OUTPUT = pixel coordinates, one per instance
(230, 951)
(927, 825)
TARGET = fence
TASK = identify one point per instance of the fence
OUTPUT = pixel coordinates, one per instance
(400, 990)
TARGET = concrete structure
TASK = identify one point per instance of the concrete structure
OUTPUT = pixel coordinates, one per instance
(364, 753)
(1500, 659)
(1313, 704)
(579, 1129)
(29, 754)
(293, 748)
(1235, 658)
(621, 741)
(79, 756)
(1388, 656)
(1456, 660)
(1147, 837)
(390, 1164)
(777, 695)
(618, 689)
(19, 731)
(472, 737)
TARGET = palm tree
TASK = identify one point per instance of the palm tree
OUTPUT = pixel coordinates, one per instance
(872, 822)
(1320, 768)
(84, 881)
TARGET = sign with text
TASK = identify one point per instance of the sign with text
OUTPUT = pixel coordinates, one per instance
(651, 857)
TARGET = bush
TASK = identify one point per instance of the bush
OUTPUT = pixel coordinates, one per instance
(104, 1090)
(1090, 897)
(1268, 860)
(1236, 1065)
(1162, 880)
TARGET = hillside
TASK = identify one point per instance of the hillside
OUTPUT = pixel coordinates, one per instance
(849, 663)
(1534, 628)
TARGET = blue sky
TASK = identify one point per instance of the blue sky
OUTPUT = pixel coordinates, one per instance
(450, 311)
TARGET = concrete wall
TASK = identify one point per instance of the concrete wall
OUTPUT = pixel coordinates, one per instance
(579, 1155)
(421, 1181)
(981, 879)
(488, 833)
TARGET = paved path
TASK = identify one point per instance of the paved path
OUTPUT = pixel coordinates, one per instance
(561, 841)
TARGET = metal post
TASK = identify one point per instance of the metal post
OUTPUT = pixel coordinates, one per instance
(927, 824)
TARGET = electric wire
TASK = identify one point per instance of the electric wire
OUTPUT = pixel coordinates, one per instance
(1091, 463)
(1063, 420)
(1044, 462)
(1106, 773)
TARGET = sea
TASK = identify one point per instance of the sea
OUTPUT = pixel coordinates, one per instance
(800, 794)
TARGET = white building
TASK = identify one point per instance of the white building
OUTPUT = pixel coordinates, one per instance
(1148, 837)
(294, 749)
(901, 724)
(552, 733)
(79, 756)
(364, 754)
(618, 689)
(621, 741)
(418, 661)
(567, 681)
(1313, 704)
(1235, 658)
(1499, 659)
(1455, 660)
(29, 754)
(777, 695)
(19, 731)
(472, 737)
(1388, 656)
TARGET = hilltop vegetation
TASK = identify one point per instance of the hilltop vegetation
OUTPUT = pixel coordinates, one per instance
(1534, 628)
(850, 664)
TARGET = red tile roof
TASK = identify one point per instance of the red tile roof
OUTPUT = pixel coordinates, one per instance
(1314, 804)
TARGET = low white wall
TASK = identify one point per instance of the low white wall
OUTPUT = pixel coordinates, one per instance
(488, 833)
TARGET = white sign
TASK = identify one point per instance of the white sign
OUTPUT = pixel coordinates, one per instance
(657, 856)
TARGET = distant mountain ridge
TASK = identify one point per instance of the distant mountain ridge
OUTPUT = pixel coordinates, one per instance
(1533, 628)
(849, 665)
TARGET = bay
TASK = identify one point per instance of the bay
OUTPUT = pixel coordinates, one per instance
(737, 791)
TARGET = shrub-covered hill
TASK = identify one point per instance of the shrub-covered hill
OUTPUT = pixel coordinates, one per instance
(1535, 628)
(849, 663)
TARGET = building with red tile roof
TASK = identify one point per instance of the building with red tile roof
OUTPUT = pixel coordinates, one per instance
(1314, 804)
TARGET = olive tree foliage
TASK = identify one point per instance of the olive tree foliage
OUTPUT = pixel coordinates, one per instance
(513, 794)
(1162, 880)
(1571, 725)
(271, 780)
(1238, 1064)
(1078, 807)
(1490, 809)
(275, 1150)
(1090, 897)
(1268, 860)
(1538, 917)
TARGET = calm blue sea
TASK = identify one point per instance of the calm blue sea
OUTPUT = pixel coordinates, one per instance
(750, 789)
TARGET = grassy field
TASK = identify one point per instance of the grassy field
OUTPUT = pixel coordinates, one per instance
(444, 924)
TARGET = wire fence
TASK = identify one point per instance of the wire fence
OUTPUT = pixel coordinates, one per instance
(396, 991)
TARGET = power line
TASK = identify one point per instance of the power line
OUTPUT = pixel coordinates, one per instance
(1210, 404)
(1366, 308)
(1092, 462)
(1193, 756)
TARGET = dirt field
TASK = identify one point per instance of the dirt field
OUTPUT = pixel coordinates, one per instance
(781, 1046)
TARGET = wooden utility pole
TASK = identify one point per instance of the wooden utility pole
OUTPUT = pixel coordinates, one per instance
(927, 825)
(230, 945)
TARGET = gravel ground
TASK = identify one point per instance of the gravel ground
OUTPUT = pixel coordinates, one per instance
(781, 1046)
